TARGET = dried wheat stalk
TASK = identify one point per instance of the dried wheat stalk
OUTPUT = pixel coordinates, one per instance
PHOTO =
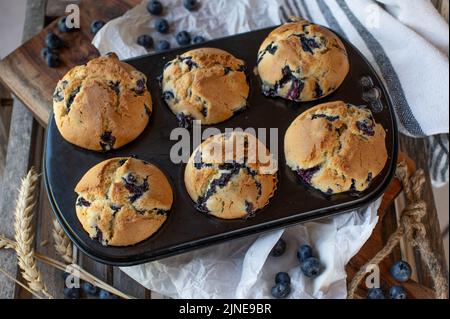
(24, 234)
(63, 245)
(83, 274)
(18, 282)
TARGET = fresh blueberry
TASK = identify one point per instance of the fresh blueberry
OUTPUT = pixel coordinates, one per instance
(64, 275)
(281, 290)
(191, 5)
(162, 26)
(62, 25)
(304, 252)
(311, 267)
(52, 60)
(184, 38)
(72, 293)
(283, 278)
(106, 295)
(96, 26)
(90, 289)
(145, 41)
(52, 41)
(198, 39)
(397, 292)
(154, 7)
(162, 46)
(375, 293)
(279, 248)
(46, 51)
(401, 271)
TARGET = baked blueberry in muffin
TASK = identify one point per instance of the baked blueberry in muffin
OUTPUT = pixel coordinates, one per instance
(336, 147)
(302, 61)
(226, 177)
(205, 84)
(123, 201)
(103, 105)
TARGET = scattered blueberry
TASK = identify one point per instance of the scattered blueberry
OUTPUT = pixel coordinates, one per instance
(62, 26)
(375, 293)
(154, 7)
(106, 295)
(401, 271)
(304, 252)
(72, 293)
(279, 248)
(162, 26)
(89, 289)
(184, 38)
(311, 267)
(145, 41)
(162, 46)
(96, 26)
(281, 290)
(52, 60)
(198, 39)
(397, 292)
(64, 275)
(283, 278)
(191, 5)
(52, 41)
(46, 51)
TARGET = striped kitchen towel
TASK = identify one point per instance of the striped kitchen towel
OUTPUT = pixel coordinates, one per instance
(407, 43)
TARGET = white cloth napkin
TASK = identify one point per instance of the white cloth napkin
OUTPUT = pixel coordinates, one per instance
(410, 55)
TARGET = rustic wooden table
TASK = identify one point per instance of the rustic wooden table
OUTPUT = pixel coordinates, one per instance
(32, 83)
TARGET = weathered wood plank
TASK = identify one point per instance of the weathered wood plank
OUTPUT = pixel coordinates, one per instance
(127, 285)
(418, 151)
(17, 160)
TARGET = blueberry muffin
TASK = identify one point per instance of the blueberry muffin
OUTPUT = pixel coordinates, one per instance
(123, 201)
(336, 147)
(302, 61)
(102, 105)
(205, 84)
(226, 176)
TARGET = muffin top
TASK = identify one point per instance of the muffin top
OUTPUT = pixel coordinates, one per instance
(102, 105)
(302, 61)
(227, 177)
(205, 84)
(336, 147)
(123, 201)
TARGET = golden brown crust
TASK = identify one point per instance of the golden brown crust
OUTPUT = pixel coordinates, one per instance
(123, 201)
(302, 61)
(206, 84)
(231, 184)
(102, 105)
(336, 147)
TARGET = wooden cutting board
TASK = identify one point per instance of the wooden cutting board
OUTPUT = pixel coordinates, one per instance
(27, 76)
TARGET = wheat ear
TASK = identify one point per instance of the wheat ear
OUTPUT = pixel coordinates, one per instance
(24, 233)
(18, 282)
(63, 245)
(83, 274)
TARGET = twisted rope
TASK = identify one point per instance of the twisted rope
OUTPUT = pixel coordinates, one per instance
(412, 228)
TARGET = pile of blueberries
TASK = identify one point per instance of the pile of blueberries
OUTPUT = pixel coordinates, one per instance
(156, 8)
(53, 43)
(310, 266)
(400, 271)
(87, 289)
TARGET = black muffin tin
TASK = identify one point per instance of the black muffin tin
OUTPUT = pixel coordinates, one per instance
(187, 229)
